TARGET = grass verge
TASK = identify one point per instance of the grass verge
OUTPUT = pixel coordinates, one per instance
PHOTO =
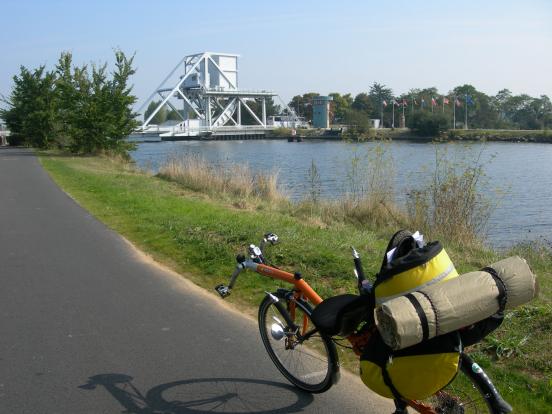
(199, 235)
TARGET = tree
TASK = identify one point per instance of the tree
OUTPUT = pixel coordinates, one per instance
(159, 117)
(173, 115)
(482, 109)
(339, 105)
(302, 105)
(93, 111)
(544, 111)
(378, 94)
(427, 124)
(31, 108)
(500, 103)
(358, 124)
(122, 117)
(66, 102)
(363, 103)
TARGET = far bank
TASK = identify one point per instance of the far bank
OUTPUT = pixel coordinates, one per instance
(405, 134)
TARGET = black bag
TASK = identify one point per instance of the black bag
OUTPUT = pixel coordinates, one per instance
(479, 330)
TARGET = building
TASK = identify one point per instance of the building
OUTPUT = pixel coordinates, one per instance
(287, 121)
(321, 111)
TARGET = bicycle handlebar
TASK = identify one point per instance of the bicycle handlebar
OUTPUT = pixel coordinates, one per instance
(256, 257)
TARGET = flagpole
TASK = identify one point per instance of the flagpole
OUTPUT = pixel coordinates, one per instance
(432, 99)
(412, 106)
(443, 98)
(454, 113)
(404, 119)
(466, 115)
(393, 119)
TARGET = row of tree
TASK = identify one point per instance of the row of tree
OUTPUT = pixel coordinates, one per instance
(82, 108)
(502, 111)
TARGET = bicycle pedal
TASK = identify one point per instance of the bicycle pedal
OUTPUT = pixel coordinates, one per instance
(222, 290)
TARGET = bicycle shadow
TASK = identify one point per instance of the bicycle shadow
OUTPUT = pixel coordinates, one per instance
(203, 395)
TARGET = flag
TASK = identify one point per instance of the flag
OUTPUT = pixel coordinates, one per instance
(404, 102)
(469, 100)
(384, 102)
(415, 102)
(433, 102)
(458, 103)
(423, 102)
(445, 101)
(395, 102)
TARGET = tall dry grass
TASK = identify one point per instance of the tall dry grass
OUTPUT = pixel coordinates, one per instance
(453, 205)
(198, 174)
(369, 196)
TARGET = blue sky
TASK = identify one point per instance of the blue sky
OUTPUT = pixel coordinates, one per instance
(293, 47)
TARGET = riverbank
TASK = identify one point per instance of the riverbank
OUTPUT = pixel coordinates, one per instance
(405, 134)
(199, 234)
(478, 135)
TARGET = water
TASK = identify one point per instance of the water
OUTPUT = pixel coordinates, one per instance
(522, 172)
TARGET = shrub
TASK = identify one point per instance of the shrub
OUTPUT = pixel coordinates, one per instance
(358, 125)
(428, 124)
(452, 206)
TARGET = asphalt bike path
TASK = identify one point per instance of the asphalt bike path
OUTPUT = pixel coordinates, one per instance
(90, 325)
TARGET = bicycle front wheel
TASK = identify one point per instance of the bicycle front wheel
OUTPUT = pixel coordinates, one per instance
(303, 355)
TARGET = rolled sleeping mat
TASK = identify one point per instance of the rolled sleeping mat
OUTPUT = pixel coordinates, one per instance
(455, 304)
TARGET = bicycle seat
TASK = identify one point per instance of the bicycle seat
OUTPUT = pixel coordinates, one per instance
(341, 315)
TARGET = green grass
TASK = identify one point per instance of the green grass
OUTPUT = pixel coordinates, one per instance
(199, 236)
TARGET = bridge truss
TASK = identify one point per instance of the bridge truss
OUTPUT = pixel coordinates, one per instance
(206, 97)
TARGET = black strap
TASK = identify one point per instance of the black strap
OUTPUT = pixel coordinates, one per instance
(389, 383)
(434, 309)
(421, 315)
(502, 293)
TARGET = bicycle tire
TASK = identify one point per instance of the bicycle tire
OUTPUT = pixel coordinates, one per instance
(314, 367)
(468, 394)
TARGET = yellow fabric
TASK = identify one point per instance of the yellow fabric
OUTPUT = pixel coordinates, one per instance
(370, 374)
(418, 276)
(419, 376)
(415, 377)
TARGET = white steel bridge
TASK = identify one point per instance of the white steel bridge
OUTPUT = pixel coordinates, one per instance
(203, 90)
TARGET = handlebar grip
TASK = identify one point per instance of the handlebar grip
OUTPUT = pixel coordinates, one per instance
(364, 286)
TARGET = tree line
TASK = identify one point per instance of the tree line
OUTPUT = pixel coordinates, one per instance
(84, 109)
(502, 111)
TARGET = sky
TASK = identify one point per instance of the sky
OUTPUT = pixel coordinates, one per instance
(294, 47)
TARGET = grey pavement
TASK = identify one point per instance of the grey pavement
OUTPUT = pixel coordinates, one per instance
(89, 325)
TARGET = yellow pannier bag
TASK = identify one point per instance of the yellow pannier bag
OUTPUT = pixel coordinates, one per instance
(413, 373)
(420, 267)
(421, 370)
